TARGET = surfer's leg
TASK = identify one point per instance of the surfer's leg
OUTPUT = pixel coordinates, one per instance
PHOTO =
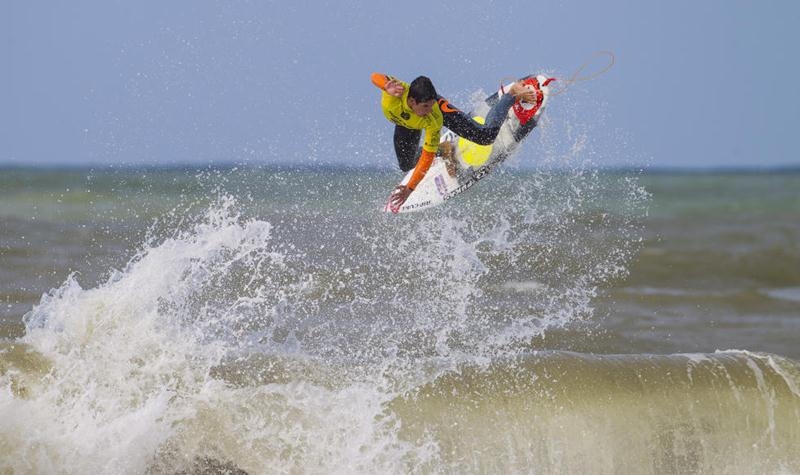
(465, 126)
(406, 143)
(499, 112)
(483, 134)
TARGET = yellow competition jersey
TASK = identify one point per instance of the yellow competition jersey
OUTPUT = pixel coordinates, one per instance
(396, 109)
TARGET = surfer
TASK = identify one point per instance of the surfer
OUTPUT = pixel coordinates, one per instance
(416, 106)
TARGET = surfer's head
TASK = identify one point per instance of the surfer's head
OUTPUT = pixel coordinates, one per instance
(422, 96)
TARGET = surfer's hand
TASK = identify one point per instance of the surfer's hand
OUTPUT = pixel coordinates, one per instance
(398, 197)
(395, 88)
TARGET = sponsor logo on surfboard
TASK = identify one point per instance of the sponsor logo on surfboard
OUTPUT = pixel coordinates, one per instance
(441, 186)
(416, 205)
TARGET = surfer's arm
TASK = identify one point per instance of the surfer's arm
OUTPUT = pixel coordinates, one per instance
(423, 164)
(402, 192)
(379, 80)
(429, 147)
(392, 86)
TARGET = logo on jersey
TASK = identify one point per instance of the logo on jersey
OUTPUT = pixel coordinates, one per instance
(445, 106)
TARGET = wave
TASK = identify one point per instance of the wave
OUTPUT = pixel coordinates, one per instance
(548, 412)
(728, 412)
(322, 344)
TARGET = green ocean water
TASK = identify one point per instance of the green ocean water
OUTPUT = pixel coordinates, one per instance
(719, 253)
(274, 320)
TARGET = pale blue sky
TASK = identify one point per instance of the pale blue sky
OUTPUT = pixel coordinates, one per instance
(697, 83)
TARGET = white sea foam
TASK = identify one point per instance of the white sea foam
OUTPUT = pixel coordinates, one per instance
(131, 383)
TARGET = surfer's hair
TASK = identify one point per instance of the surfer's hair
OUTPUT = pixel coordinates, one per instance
(422, 90)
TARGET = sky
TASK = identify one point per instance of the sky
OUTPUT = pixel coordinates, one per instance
(699, 84)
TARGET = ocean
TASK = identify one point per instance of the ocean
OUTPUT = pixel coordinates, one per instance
(272, 320)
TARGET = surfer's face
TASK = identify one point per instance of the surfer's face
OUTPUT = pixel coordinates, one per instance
(421, 108)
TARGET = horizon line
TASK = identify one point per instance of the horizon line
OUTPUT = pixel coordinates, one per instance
(656, 169)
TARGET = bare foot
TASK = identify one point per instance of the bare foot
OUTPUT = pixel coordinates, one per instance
(448, 155)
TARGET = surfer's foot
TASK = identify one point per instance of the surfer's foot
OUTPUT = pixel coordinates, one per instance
(523, 92)
(447, 152)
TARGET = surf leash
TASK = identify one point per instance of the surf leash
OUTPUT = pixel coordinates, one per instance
(564, 84)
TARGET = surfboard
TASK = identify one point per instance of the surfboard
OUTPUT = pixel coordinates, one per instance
(469, 162)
